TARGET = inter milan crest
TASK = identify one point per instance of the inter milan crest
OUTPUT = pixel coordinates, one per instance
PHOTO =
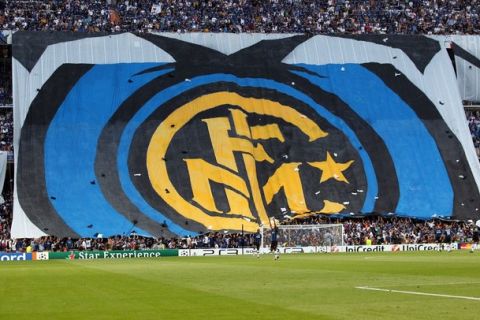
(218, 160)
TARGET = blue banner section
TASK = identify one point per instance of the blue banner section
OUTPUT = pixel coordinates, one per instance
(425, 188)
(14, 256)
(70, 147)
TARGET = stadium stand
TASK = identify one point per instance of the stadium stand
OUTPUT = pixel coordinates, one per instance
(236, 16)
(272, 16)
(380, 230)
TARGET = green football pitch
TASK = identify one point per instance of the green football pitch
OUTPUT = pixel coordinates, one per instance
(420, 285)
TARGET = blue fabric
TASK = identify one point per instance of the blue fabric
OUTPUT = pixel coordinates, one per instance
(71, 142)
(425, 188)
(70, 148)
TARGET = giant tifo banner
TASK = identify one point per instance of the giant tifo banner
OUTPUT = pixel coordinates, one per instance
(167, 134)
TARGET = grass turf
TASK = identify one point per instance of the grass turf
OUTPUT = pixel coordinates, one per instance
(307, 286)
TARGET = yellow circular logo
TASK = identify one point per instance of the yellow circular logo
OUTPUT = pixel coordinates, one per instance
(234, 140)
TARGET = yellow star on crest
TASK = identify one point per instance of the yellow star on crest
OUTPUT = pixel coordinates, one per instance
(331, 169)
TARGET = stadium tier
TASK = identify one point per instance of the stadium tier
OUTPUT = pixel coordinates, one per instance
(174, 133)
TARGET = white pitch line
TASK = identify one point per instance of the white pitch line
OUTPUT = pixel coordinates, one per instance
(420, 293)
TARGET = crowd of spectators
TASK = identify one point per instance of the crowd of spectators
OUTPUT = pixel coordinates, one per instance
(311, 16)
(357, 231)
(130, 242)
(397, 230)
